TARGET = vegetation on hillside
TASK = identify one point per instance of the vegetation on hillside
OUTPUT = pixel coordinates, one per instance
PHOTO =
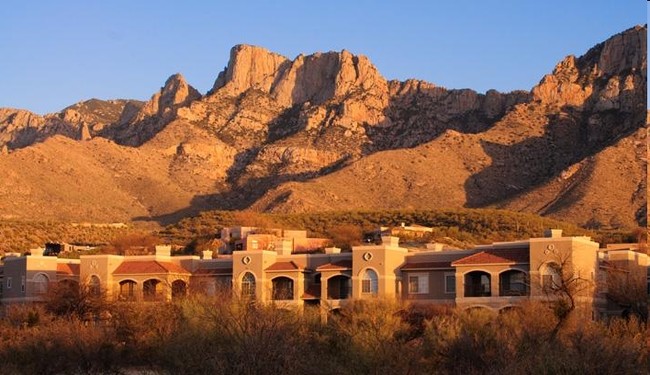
(456, 227)
(20, 236)
(224, 335)
(461, 227)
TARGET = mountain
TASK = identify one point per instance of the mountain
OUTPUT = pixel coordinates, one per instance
(327, 132)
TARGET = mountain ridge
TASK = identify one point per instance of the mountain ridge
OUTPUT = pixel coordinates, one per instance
(272, 128)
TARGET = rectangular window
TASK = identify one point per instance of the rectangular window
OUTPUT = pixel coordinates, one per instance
(450, 283)
(22, 283)
(9, 282)
(365, 286)
(418, 283)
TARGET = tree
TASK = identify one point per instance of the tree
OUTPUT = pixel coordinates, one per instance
(562, 283)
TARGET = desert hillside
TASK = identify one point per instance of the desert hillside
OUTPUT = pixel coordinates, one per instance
(327, 131)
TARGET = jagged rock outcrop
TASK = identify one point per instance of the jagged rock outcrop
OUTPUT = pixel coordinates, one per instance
(20, 128)
(137, 127)
(327, 131)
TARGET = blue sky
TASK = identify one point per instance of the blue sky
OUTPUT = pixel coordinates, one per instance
(56, 53)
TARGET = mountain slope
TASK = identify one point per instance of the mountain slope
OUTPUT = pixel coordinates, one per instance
(327, 131)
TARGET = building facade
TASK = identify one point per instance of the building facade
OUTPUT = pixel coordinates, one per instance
(283, 267)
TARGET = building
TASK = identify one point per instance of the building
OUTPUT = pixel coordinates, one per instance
(281, 267)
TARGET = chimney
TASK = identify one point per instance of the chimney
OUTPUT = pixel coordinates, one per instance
(435, 246)
(284, 247)
(553, 233)
(390, 241)
(38, 252)
(207, 254)
(332, 250)
(163, 250)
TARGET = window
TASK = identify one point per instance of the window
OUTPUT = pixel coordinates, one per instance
(254, 244)
(450, 283)
(94, 285)
(22, 283)
(551, 279)
(9, 282)
(369, 282)
(248, 285)
(418, 283)
(41, 283)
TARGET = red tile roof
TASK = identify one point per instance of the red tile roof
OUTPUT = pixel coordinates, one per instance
(496, 256)
(145, 267)
(425, 265)
(283, 266)
(313, 292)
(340, 265)
(213, 271)
(67, 269)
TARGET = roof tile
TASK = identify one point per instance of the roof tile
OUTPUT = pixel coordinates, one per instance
(67, 269)
(425, 265)
(496, 256)
(145, 267)
(340, 265)
(283, 266)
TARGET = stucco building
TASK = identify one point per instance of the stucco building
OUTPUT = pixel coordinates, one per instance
(289, 269)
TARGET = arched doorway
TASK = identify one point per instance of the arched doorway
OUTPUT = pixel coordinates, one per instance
(127, 290)
(282, 288)
(478, 284)
(513, 283)
(339, 287)
(179, 289)
(151, 290)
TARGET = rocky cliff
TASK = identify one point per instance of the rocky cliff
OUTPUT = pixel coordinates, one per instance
(327, 131)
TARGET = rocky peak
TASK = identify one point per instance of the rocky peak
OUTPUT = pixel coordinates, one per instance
(314, 78)
(619, 61)
(249, 67)
(174, 94)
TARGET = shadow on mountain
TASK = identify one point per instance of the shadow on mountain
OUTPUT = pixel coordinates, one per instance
(569, 137)
(242, 196)
(420, 117)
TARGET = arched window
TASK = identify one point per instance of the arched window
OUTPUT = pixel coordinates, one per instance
(369, 282)
(41, 283)
(478, 284)
(551, 278)
(282, 288)
(248, 285)
(94, 286)
(127, 290)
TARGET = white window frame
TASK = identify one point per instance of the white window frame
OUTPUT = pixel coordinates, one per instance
(448, 284)
(421, 283)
